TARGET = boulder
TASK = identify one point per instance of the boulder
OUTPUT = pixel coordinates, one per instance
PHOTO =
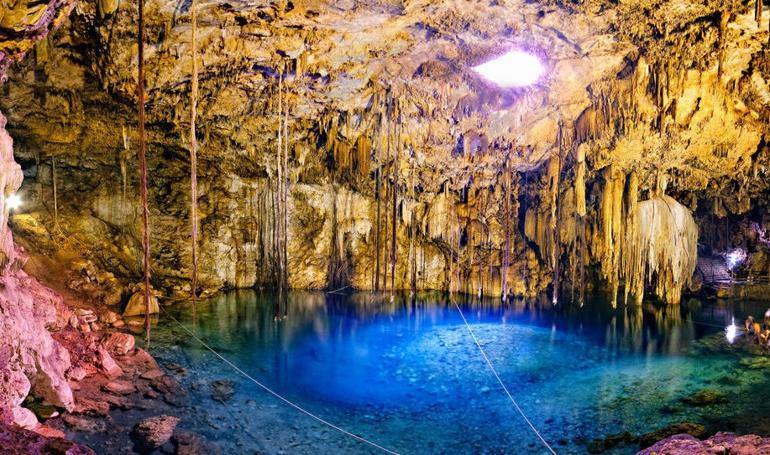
(153, 432)
(119, 344)
(705, 397)
(107, 363)
(222, 390)
(693, 429)
(720, 443)
(189, 443)
(119, 387)
(136, 307)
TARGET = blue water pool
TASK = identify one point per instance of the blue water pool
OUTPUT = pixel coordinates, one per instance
(407, 375)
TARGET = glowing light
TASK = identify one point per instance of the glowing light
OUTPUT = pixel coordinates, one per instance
(514, 69)
(731, 332)
(735, 258)
(13, 201)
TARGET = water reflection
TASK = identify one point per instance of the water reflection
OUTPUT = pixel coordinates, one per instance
(248, 318)
(400, 369)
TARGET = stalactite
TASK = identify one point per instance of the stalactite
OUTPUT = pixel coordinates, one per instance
(580, 209)
(665, 251)
(394, 237)
(555, 216)
(758, 10)
(379, 203)
(507, 227)
(285, 194)
(123, 159)
(55, 194)
(194, 154)
(388, 189)
(629, 265)
(413, 229)
(279, 192)
(143, 172)
(451, 239)
(610, 217)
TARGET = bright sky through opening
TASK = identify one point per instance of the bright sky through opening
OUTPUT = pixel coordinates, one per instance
(513, 69)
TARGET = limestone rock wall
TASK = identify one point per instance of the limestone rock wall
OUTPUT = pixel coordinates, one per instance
(522, 188)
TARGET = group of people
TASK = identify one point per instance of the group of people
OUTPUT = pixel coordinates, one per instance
(760, 332)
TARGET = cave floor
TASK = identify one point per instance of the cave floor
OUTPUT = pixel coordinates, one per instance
(407, 375)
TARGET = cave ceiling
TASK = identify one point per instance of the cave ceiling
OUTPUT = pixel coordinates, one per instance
(670, 87)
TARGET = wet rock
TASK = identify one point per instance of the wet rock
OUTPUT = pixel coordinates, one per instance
(152, 375)
(119, 387)
(705, 397)
(222, 390)
(48, 432)
(91, 406)
(176, 368)
(189, 443)
(153, 432)
(109, 317)
(691, 429)
(720, 443)
(119, 344)
(610, 442)
(24, 418)
(20, 441)
(107, 363)
(84, 424)
(136, 306)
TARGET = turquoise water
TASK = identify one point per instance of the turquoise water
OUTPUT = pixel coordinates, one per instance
(408, 376)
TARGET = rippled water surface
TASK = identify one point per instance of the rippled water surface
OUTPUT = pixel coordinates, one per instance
(408, 376)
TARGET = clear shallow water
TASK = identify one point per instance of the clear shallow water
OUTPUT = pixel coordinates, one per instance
(408, 376)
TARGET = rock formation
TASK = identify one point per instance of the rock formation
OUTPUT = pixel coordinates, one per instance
(657, 90)
(661, 90)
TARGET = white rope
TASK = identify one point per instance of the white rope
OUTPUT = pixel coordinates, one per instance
(491, 367)
(278, 396)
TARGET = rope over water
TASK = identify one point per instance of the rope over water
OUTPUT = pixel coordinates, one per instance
(491, 367)
(276, 394)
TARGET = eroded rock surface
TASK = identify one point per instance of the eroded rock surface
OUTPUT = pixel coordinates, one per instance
(720, 443)
(495, 188)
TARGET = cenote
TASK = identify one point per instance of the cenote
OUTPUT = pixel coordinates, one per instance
(284, 227)
(407, 375)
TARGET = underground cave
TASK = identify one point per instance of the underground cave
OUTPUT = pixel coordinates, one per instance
(384, 226)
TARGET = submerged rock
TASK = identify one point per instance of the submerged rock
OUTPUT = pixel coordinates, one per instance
(153, 432)
(222, 390)
(189, 443)
(610, 442)
(692, 429)
(705, 397)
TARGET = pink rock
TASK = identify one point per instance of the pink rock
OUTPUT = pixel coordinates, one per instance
(119, 387)
(48, 432)
(107, 363)
(152, 375)
(119, 343)
(24, 418)
(720, 443)
(153, 432)
(17, 440)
